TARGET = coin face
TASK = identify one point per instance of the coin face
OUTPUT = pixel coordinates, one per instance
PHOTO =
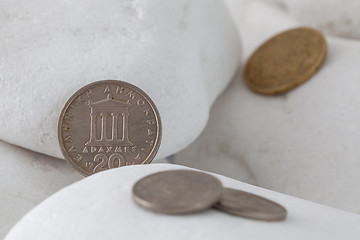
(177, 191)
(285, 61)
(109, 124)
(248, 205)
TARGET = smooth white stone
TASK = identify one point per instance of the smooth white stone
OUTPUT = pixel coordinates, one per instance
(257, 22)
(101, 207)
(27, 178)
(335, 17)
(182, 53)
(304, 143)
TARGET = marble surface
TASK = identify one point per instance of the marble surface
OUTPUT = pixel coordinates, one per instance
(101, 207)
(181, 53)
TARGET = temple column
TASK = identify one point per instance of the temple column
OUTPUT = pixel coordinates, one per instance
(93, 127)
(114, 129)
(103, 126)
(125, 127)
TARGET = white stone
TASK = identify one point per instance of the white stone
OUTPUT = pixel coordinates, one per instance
(101, 207)
(257, 22)
(335, 17)
(182, 53)
(27, 178)
(304, 143)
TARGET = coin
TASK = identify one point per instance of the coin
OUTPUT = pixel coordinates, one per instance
(177, 191)
(109, 124)
(248, 205)
(285, 61)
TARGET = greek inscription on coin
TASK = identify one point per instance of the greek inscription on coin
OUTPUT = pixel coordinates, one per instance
(285, 61)
(109, 124)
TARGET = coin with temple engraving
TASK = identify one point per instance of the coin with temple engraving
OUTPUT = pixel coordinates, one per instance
(177, 191)
(285, 61)
(248, 205)
(109, 124)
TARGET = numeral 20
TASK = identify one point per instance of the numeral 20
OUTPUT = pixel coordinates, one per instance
(115, 160)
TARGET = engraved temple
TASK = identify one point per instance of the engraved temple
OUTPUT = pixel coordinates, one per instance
(109, 123)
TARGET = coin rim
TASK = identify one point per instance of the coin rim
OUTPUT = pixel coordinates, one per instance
(287, 86)
(198, 207)
(239, 212)
(153, 152)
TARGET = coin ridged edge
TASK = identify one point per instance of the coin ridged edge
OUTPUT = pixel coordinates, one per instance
(81, 90)
(157, 208)
(285, 87)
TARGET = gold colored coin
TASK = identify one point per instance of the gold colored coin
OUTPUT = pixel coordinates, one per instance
(285, 61)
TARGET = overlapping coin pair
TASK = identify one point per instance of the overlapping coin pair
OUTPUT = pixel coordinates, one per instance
(187, 191)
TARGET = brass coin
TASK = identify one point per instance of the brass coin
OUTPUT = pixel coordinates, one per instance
(177, 191)
(109, 124)
(248, 205)
(285, 61)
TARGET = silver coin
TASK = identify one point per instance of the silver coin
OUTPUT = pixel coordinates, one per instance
(248, 205)
(177, 191)
(109, 124)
